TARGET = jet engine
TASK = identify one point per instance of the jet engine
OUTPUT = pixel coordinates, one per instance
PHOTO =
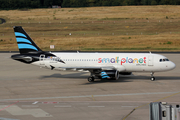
(110, 74)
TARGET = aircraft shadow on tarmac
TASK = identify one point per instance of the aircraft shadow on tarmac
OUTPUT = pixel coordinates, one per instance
(157, 78)
(122, 78)
(78, 76)
(135, 78)
(72, 75)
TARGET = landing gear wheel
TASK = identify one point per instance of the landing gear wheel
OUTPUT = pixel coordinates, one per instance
(152, 78)
(91, 79)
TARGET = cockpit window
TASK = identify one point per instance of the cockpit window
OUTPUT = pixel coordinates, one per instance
(163, 60)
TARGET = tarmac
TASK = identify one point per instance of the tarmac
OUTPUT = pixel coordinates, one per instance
(28, 92)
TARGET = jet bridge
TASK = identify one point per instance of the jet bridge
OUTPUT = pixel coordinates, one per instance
(163, 111)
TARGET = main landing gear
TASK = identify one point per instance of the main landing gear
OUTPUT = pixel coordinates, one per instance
(91, 79)
(152, 77)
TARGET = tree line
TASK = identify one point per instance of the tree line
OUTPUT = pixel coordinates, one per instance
(19, 4)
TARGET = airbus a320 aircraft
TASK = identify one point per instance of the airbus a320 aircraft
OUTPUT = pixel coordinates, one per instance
(100, 65)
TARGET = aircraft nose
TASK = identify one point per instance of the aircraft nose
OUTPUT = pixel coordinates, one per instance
(172, 65)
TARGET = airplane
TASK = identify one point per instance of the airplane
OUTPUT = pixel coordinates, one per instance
(100, 65)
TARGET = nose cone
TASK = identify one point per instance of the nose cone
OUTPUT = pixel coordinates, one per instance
(172, 65)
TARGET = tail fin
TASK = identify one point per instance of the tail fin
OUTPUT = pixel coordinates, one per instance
(25, 43)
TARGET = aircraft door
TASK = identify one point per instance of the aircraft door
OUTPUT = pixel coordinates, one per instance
(150, 60)
(41, 59)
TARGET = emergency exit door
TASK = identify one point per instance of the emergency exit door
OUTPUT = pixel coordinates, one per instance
(41, 59)
(150, 60)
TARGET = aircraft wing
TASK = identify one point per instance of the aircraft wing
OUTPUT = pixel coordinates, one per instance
(119, 68)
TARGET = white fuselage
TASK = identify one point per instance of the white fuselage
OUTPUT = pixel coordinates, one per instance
(122, 62)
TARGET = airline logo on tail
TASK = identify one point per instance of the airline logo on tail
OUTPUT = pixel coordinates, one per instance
(23, 42)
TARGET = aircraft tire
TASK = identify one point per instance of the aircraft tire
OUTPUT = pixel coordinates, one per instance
(116, 75)
(152, 78)
(91, 79)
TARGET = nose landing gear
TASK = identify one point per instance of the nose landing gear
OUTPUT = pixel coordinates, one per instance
(152, 77)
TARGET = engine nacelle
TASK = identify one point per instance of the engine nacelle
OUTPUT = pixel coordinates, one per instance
(125, 73)
(109, 74)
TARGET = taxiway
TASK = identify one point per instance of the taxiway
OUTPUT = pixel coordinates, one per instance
(28, 92)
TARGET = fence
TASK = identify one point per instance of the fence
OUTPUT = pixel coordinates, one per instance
(97, 21)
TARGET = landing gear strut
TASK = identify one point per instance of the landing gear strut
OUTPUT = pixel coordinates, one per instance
(152, 77)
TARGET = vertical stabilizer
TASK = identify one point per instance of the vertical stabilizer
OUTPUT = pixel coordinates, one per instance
(25, 43)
